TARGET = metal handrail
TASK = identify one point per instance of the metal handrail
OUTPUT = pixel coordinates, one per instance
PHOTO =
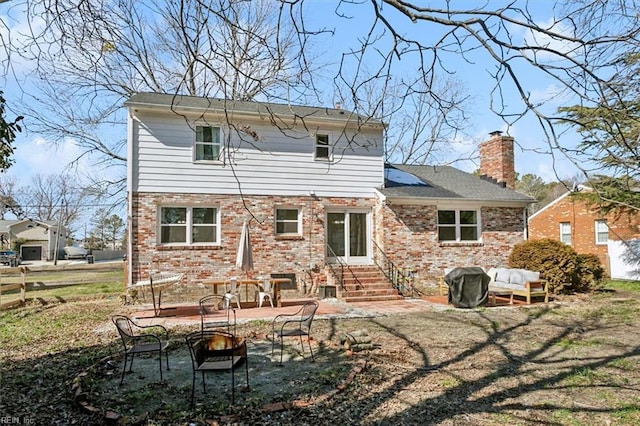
(338, 275)
(398, 279)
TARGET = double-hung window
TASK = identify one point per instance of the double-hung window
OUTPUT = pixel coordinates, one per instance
(189, 225)
(322, 149)
(207, 145)
(565, 232)
(288, 221)
(458, 225)
(602, 232)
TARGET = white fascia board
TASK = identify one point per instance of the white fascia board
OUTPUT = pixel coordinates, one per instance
(234, 115)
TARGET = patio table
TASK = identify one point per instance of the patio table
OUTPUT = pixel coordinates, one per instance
(275, 284)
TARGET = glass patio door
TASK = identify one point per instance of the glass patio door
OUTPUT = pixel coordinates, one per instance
(348, 236)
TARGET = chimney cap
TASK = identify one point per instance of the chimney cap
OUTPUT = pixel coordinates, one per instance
(496, 133)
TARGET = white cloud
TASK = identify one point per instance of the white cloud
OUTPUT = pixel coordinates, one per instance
(40, 156)
(548, 41)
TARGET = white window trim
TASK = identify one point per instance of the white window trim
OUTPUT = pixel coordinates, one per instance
(596, 231)
(329, 158)
(299, 221)
(193, 146)
(561, 233)
(189, 225)
(458, 224)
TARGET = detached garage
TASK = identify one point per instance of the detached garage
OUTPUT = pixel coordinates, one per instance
(31, 253)
(37, 239)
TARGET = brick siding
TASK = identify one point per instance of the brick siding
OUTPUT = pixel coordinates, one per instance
(546, 224)
(271, 253)
(409, 236)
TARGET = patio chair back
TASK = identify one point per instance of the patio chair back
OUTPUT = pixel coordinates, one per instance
(292, 325)
(215, 312)
(138, 339)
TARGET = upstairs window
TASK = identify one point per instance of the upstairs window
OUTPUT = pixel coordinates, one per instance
(458, 225)
(322, 147)
(565, 232)
(602, 232)
(288, 221)
(189, 225)
(207, 147)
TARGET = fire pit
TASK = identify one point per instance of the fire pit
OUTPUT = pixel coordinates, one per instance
(213, 350)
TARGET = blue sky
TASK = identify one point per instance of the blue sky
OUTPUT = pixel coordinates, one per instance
(34, 154)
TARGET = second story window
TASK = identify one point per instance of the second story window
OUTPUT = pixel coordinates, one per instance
(565, 232)
(458, 225)
(602, 232)
(322, 151)
(207, 146)
(288, 221)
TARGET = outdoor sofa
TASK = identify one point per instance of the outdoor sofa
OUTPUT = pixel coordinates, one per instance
(518, 282)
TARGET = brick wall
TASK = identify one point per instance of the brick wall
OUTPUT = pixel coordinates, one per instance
(406, 233)
(497, 159)
(409, 236)
(546, 224)
(271, 253)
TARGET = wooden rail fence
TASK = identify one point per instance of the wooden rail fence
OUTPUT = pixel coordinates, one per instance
(25, 278)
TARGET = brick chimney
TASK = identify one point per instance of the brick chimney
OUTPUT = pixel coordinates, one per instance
(497, 159)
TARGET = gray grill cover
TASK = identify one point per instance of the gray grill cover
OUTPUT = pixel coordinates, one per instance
(468, 287)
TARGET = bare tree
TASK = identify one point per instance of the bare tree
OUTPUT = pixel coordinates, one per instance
(420, 131)
(54, 198)
(9, 205)
(94, 55)
(574, 52)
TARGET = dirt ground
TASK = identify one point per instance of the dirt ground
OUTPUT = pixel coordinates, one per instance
(574, 361)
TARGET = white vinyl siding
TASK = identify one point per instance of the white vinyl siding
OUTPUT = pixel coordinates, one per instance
(188, 225)
(458, 225)
(602, 232)
(565, 232)
(276, 164)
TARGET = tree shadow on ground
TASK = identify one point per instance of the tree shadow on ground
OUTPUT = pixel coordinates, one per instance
(516, 374)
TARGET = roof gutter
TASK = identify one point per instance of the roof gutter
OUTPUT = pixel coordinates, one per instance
(145, 106)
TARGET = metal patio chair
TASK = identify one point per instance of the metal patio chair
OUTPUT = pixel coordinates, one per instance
(292, 325)
(138, 339)
(215, 313)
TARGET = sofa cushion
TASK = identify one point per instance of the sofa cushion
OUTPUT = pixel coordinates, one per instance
(530, 276)
(516, 277)
(502, 276)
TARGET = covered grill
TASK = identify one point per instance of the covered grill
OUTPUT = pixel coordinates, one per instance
(468, 287)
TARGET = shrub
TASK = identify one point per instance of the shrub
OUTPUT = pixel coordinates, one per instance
(559, 264)
(589, 274)
(556, 262)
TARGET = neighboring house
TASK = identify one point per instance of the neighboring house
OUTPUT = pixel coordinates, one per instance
(38, 238)
(314, 187)
(584, 228)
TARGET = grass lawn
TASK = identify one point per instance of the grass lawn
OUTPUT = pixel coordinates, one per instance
(572, 362)
(64, 284)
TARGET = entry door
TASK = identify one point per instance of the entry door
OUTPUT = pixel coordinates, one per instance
(348, 236)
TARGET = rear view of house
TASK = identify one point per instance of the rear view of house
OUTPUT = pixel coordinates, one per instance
(314, 188)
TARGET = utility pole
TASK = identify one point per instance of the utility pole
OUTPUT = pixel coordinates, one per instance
(55, 250)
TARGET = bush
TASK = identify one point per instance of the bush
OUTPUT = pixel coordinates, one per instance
(589, 274)
(559, 264)
(556, 262)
